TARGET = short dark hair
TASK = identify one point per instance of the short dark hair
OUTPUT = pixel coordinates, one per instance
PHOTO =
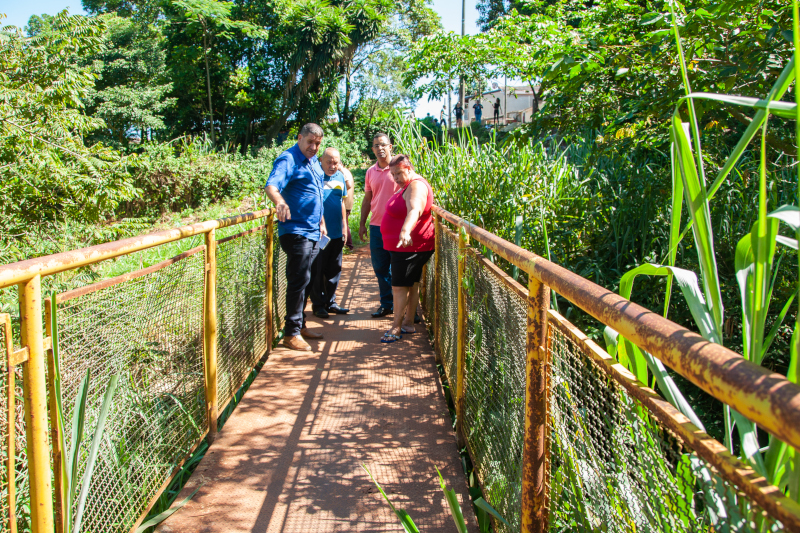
(401, 160)
(311, 129)
(381, 134)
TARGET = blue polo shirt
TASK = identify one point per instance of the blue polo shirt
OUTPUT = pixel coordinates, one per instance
(334, 189)
(299, 180)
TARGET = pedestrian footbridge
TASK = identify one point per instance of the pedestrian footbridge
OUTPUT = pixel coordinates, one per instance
(507, 398)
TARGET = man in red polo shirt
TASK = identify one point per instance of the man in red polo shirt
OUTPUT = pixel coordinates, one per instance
(378, 188)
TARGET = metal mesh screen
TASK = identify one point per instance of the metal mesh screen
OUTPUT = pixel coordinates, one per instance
(241, 308)
(12, 381)
(278, 286)
(613, 467)
(149, 330)
(5, 378)
(448, 307)
(429, 294)
(494, 394)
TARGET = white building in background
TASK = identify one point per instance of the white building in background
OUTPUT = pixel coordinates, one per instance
(517, 104)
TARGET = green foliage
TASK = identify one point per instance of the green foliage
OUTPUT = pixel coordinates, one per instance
(47, 171)
(130, 94)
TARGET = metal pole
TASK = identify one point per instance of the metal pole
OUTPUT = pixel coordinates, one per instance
(461, 345)
(535, 454)
(210, 333)
(461, 82)
(270, 278)
(55, 439)
(35, 394)
(437, 289)
(505, 101)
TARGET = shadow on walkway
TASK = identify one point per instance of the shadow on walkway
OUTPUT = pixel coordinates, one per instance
(289, 458)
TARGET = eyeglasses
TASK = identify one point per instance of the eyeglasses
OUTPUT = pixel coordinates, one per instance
(380, 145)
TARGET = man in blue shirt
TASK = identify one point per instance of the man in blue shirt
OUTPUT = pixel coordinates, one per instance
(327, 268)
(295, 187)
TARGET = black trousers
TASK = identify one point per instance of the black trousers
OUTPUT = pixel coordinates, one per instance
(325, 274)
(300, 254)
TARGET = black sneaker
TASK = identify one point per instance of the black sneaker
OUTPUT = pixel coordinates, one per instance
(338, 310)
(382, 311)
(321, 313)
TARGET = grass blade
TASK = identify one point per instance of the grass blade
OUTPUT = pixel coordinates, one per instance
(483, 504)
(94, 451)
(166, 514)
(452, 502)
(408, 524)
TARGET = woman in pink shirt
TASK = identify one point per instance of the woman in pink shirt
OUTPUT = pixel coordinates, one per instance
(408, 235)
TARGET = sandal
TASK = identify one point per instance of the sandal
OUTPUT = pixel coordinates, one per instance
(390, 337)
(408, 330)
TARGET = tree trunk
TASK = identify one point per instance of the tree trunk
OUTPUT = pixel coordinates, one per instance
(208, 85)
(347, 94)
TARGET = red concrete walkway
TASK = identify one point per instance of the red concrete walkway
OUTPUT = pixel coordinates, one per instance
(289, 458)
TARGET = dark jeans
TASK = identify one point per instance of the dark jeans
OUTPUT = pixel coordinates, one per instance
(300, 255)
(325, 274)
(382, 265)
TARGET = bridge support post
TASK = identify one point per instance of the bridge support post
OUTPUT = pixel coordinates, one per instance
(35, 393)
(437, 290)
(536, 452)
(461, 345)
(270, 280)
(210, 334)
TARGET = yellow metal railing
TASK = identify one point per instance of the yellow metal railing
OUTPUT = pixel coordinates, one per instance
(564, 438)
(561, 436)
(184, 332)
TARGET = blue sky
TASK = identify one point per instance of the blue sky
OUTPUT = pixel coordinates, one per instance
(450, 10)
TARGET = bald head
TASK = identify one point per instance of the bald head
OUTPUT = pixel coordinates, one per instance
(330, 161)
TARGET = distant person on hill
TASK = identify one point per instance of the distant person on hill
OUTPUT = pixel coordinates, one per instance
(327, 267)
(436, 123)
(295, 187)
(496, 107)
(443, 117)
(408, 232)
(478, 107)
(459, 111)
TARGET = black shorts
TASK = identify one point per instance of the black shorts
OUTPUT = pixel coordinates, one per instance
(407, 267)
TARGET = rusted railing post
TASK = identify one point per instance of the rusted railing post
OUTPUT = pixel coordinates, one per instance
(35, 394)
(437, 290)
(55, 440)
(536, 447)
(461, 336)
(210, 333)
(270, 277)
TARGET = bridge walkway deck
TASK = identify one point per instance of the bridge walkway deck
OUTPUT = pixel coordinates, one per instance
(289, 458)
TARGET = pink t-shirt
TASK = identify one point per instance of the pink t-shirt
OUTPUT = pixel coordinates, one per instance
(380, 182)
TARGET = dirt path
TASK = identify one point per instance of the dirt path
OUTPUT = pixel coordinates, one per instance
(289, 458)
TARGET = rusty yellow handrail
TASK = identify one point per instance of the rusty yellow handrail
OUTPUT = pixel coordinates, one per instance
(765, 397)
(53, 264)
(28, 274)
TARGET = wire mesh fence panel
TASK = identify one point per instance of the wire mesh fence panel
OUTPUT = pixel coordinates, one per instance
(615, 468)
(241, 308)
(147, 327)
(278, 286)
(448, 307)
(12, 433)
(429, 300)
(494, 393)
